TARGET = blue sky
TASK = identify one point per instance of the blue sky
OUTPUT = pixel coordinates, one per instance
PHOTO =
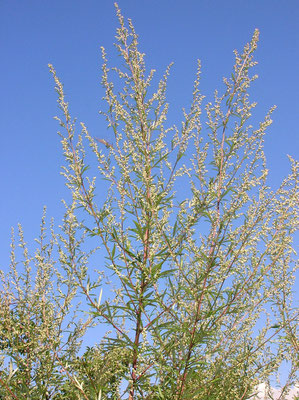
(69, 33)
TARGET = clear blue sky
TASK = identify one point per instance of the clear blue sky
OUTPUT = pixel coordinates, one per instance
(69, 33)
